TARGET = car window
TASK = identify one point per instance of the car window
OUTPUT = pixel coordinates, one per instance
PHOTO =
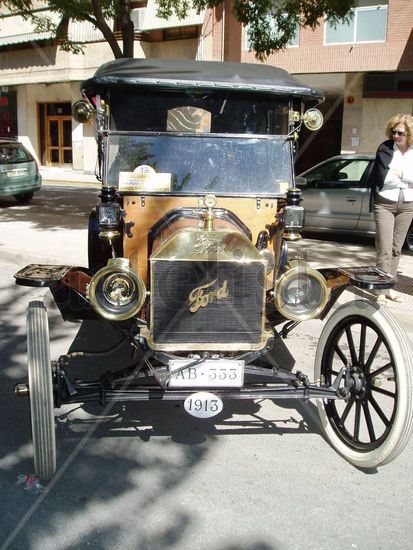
(324, 172)
(12, 153)
(353, 171)
(338, 172)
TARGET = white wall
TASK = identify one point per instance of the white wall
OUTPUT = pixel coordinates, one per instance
(83, 135)
(364, 119)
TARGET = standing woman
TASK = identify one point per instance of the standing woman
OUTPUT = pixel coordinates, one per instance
(392, 184)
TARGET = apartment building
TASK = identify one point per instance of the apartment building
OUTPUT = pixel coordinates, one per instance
(365, 70)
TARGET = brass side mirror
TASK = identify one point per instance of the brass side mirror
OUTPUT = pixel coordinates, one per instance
(82, 111)
(313, 119)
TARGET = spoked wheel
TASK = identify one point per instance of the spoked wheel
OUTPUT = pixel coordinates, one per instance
(372, 426)
(41, 391)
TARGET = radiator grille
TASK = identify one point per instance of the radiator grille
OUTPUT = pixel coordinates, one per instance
(226, 298)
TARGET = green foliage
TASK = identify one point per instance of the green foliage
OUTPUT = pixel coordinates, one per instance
(96, 12)
(271, 24)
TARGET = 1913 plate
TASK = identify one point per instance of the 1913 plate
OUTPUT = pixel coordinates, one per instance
(219, 373)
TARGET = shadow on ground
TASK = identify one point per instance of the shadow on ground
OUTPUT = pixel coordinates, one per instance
(116, 464)
(52, 208)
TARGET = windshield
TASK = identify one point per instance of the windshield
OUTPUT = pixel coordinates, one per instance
(176, 163)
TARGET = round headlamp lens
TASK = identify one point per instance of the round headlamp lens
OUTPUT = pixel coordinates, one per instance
(301, 293)
(119, 289)
(116, 291)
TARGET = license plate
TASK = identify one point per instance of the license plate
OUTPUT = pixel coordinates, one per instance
(16, 173)
(220, 373)
(203, 404)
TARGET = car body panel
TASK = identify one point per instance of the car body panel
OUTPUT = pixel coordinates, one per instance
(154, 208)
(336, 196)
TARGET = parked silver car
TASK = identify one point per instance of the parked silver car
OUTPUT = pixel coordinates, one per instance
(337, 198)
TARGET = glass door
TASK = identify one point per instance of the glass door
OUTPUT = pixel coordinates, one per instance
(58, 140)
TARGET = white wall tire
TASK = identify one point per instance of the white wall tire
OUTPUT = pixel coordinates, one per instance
(374, 426)
(41, 391)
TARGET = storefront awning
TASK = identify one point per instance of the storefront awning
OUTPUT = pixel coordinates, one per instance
(14, 29)
(84, 31)
(153, 22)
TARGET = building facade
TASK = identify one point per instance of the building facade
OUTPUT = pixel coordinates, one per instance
(365, 70)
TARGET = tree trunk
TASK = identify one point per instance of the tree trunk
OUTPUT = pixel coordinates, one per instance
(127, 28)
(105, 30)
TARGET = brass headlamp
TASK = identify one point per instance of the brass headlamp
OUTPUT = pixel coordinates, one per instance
(301, 292)
(116, 292)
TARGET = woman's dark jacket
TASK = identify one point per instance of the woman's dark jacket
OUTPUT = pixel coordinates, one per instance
(381, 165)
(384, 156)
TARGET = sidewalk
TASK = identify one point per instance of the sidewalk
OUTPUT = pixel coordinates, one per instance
(330, 253)
(67, 176)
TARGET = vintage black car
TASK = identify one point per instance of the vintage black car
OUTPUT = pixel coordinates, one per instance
(188, 260)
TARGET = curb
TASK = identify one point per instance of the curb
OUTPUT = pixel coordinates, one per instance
(71, 183)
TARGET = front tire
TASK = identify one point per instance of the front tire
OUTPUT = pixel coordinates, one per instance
(373, 426)
(41, 391)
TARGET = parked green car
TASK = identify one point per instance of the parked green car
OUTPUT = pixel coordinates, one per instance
(19, 173)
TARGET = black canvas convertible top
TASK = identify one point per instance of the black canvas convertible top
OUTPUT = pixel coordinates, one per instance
(183, 73)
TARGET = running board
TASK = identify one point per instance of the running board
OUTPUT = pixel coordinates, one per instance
(41, 275)
(368, 277)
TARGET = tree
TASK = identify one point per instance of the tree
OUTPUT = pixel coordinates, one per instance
(97, 12)
(271, 24)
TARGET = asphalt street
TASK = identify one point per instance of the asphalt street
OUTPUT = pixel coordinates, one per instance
(258, 477)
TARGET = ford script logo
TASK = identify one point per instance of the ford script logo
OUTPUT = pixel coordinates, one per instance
(201, 296)
(207, 246)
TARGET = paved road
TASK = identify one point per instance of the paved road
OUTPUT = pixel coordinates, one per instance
(259, 477)
(52, 228)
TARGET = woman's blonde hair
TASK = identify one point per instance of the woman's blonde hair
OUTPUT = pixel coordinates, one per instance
(406, 120)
